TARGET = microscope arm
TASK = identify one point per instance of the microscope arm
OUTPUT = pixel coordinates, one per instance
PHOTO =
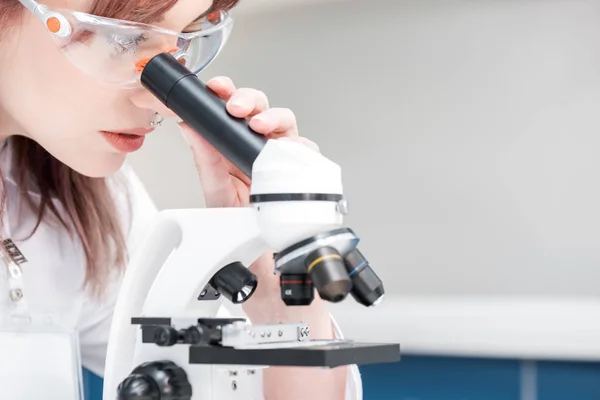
(180, 253)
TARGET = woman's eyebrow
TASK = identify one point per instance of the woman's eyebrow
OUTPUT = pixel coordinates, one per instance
(217, 5)
(203, 15)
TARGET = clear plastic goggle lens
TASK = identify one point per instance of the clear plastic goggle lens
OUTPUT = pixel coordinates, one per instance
(116, 51)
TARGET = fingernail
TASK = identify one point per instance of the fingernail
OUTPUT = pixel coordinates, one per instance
(237, 102)
(260, 123)
(214, 84)
(217, 80)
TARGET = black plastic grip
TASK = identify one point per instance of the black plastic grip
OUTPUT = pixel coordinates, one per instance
(188, 97)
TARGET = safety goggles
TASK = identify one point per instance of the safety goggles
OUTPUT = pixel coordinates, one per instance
(116, 51)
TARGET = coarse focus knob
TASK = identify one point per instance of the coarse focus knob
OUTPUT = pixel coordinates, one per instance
(156, 380)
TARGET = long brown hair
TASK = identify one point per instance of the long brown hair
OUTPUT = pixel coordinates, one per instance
(91, 213)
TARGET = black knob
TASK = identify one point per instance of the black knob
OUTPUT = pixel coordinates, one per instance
(165, 336)
(156, 380)
(140, 387)
(193, 335)
(235, 282)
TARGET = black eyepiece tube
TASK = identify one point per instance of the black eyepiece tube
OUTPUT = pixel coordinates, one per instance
(188, 97)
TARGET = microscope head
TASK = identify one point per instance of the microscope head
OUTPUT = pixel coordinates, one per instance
(298, 196)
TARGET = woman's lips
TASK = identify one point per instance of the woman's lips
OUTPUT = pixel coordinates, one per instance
(135, 131)
(126, 140)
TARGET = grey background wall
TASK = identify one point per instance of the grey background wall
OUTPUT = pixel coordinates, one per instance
(468, 133)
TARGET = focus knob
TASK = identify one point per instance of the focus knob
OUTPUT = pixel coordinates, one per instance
(141, 387)
(156, 380)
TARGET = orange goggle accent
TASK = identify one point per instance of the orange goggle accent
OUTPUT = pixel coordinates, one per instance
(53, 24)
(141, 64)
(214, 17)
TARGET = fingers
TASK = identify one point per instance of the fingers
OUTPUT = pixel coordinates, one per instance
(220, 180)
(241, 103)
(222, 86)
(275, 123)
(280, 123)
(247, 102)
(212, 168)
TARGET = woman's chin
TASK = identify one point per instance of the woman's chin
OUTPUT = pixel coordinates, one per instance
(104, 167)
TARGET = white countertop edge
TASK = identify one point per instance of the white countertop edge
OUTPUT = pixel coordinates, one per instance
(523, 328)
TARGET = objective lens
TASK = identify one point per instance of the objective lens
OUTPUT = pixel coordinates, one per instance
(326, 268)
(367, 288)
(296, 290)
(235, 282)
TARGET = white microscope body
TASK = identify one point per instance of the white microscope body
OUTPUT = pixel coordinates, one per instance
(184, 249)
(166, 342)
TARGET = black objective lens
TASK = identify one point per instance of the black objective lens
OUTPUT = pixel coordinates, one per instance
(328, 272)
(367, 288)
(235, 282)
(296, 290)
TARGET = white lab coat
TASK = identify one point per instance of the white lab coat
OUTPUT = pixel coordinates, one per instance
(55, 270)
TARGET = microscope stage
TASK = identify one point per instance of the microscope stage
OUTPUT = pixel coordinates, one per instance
(229, 341)
(328, 355)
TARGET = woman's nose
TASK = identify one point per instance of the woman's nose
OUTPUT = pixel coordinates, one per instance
(146, 101)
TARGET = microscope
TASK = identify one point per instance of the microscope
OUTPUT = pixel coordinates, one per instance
(166, 340)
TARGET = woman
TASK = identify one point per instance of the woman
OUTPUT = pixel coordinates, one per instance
(71, 108)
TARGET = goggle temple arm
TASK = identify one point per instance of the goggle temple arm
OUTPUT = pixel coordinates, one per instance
(55, 22)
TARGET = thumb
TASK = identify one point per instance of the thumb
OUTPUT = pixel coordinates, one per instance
(210, 164)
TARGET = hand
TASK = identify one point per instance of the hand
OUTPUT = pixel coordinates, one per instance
(224, 185)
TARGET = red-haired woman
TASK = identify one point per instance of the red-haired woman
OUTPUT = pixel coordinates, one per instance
(71, 109)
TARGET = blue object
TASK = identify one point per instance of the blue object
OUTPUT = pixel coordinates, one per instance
(439, 378)
(566, 381)
(92, 386)
(445, 378)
